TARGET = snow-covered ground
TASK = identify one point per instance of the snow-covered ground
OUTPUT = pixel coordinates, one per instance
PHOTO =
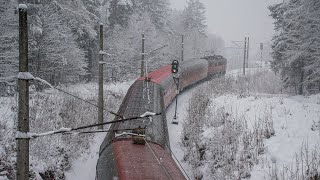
(292, 116)
(175, 130)
(84, 168)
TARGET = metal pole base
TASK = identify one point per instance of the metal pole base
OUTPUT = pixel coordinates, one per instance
(175, 121)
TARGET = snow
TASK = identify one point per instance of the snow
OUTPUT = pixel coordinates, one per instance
(101, 62)
(43, 153)
(175, 130)
(84, 168)
(293, 118)
(23, 6)
(105, 53)
(148, 114)
(28, 135)
(25, 76)
(43, 81)
(126, 133)
(28, 76)
(125, 2)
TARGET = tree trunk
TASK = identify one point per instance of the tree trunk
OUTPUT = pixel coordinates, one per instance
(301, 83)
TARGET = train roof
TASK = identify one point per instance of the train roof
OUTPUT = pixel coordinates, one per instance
(142, 161)
(213, 57)
(158, 75)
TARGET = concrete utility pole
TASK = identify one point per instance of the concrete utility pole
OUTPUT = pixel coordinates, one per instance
(244, 59)
(142, 56)
(100, 95)
(248, 47)
(182, 48)
(261, 49)
(23, 86)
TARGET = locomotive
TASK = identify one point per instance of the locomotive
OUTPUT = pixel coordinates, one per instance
(140, 149)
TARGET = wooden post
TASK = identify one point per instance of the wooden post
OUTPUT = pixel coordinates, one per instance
(100, 95)
(23, 86)
(142, 56)
(182, 48)
(244, 59)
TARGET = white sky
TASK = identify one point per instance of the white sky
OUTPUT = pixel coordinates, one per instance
(235, 19)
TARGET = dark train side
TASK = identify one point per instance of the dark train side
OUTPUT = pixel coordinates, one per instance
(124, 155)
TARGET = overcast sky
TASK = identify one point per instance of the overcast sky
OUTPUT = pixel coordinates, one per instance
(235, 19)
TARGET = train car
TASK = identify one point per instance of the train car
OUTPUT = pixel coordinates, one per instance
(192, 71)
(140, 149)
(121, 157)
(216, 65)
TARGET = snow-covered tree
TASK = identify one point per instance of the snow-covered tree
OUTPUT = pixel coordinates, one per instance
(57, 57)
(194, 17)
(125, 44)
(9, 47)
(296, 44)
(194, 24)
(119, 13)
(157, 10)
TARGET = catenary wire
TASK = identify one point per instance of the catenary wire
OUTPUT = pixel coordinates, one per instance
(160, 163)
(172, 153)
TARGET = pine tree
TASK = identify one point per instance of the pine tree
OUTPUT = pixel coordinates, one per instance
(59, 59)
(120, 13)
(194, 24)
(194, 16)
(9, 47)
(296, 44)
(158, 11)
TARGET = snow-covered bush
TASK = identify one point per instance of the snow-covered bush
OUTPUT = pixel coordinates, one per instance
(306, 165)
(7, 137)
(51, 156)
(255, 83)
(219, 144)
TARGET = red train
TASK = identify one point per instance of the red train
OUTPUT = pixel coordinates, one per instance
(140, 149)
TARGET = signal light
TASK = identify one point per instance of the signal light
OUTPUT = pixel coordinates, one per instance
(174, 66)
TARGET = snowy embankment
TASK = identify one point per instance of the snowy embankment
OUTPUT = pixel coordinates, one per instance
(234, 128)
(52, 156)
(84, 168)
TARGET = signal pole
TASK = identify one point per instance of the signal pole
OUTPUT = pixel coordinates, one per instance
(244, 59)
(23, 86)
(174, 71)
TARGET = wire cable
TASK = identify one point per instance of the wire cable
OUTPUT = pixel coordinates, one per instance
(172, 152)
(160, 163)
(97, 131)
(111, 112)
(68, 131)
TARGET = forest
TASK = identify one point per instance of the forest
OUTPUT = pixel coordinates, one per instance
(64, 38)
(296, 44)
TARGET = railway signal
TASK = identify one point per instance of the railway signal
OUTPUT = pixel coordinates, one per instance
(174, 66)
(174, 70)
